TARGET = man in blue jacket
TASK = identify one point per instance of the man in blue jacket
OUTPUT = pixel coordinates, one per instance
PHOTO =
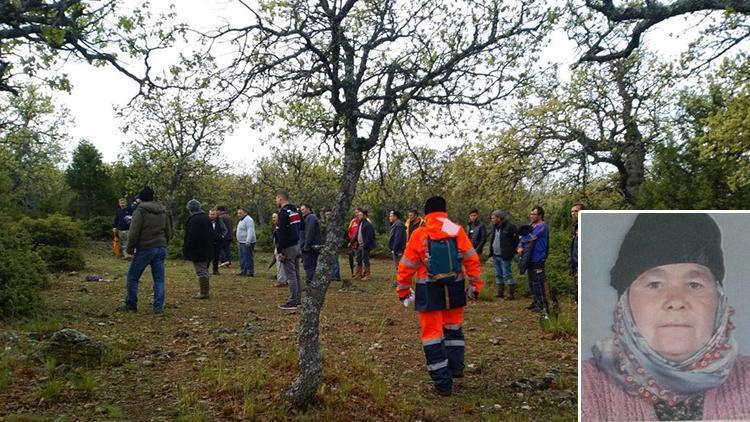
(397, 239)
(540, 239)
(311, 241)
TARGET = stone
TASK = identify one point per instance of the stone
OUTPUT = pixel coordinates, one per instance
(502, 320)
(72, 347)
(182, 333)
(147, 363)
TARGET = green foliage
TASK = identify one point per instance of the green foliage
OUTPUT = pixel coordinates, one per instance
(89, 178)
(99, 227)
(86, 383)
(22, 272)
(44, 324)
(51, 389)
(31, 148)
(708, 168)
(58, 240)
(174, 247)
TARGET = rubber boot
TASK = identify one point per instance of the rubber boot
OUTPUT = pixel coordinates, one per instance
(365, 272)
(204, 288)
(500, 291)
(357, 273)
(511, 291)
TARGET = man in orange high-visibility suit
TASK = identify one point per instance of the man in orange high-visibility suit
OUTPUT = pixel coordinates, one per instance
(440, 299)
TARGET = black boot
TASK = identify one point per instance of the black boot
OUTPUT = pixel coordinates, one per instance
(204, 288)
(511, 291)
(500, 291)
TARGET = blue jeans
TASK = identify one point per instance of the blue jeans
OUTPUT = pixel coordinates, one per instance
(247, 263)
(143, 257)
(503, 272)
(336, 271)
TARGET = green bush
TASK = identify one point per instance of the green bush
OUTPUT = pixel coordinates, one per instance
(58, 240)
(22, 272)
(174, 247)
(59, 258)
(99, 228)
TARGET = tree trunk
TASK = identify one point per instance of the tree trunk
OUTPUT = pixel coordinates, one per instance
(302, 391)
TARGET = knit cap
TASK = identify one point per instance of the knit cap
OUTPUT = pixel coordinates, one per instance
(663, 239)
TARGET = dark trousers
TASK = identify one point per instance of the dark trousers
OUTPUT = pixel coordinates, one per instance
(217, 255)
(226, 254)
(363, 256)
(309, 263)
(397, 257)
(536, 281)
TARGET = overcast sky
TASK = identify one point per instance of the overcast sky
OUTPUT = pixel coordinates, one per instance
(96, 91)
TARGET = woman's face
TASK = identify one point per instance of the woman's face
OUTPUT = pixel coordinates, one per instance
(674, 307)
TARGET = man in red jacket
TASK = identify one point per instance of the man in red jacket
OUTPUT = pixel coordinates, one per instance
(437, 252)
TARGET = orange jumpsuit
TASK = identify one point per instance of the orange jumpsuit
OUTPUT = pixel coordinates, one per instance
(440, 307)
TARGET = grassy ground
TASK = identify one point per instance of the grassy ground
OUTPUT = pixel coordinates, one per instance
(229, 358)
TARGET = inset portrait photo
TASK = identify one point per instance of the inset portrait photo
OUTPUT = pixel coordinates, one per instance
(664, 316)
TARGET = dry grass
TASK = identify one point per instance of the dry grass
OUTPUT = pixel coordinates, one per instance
(230, 358)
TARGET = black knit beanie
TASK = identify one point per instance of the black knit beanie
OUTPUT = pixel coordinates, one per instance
(147, 194)
(663, 239)
(435, 204)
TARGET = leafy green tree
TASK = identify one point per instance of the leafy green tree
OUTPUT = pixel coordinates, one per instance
(32, 138)
(175, 144)
(708, 167)
(609, 117)
(89, 178)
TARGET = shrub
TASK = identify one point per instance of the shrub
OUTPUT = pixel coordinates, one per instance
(58, 240)
(22, 272)
(174, 246)
(99, 228)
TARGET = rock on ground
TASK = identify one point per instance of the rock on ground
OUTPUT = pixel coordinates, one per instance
(72, 347)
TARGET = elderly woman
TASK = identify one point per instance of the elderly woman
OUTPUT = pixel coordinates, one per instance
(672, 355)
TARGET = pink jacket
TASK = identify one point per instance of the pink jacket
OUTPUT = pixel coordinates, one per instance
(603, 400)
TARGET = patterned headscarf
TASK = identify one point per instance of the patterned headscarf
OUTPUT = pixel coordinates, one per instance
(633, 364)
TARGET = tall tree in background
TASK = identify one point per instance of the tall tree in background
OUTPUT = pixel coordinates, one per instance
(355, 74)
(175, 140)
(32, 139)
(611, 114)
(89, 178)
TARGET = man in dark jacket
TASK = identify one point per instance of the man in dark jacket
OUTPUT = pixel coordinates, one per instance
(226, 255)
(476, 231)
(123, 216)
(397, 238)
(220, 232)
(366, 242)
(503, 242)
(311, 241)
(150, 230)
(198, 244)
(288, 250)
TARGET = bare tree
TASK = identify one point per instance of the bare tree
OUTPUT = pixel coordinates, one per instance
(628, 21)
(354, 74)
